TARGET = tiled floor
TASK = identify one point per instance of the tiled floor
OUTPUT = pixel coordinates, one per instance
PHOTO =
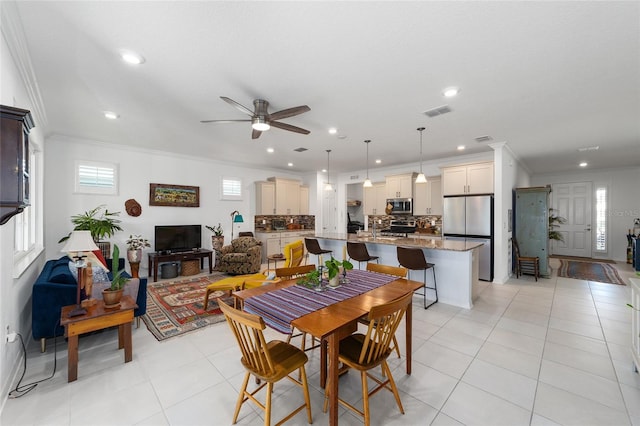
(545, 353)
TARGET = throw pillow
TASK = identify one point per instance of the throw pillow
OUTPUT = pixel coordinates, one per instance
(99, 274)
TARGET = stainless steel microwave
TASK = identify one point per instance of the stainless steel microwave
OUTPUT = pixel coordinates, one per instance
(399, 206)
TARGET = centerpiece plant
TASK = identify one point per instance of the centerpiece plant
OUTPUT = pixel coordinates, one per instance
(333, 266)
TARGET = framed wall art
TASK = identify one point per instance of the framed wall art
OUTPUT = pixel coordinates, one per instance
(161, 194)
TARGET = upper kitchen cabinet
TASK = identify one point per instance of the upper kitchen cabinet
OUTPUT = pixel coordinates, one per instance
(468, 179)
(265, 198)
(304, 200)
(427, 198)
(400, 186)
(375, 199)
(14, 160)
(287, 196)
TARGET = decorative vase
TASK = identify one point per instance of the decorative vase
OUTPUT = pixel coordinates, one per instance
(134, 256)
(217, 242)
(333, 282)
(112, 297)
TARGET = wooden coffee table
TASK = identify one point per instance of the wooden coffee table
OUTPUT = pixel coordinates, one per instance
(98, 318)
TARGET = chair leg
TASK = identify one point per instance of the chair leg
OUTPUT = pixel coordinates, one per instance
(267, 411)
(43, 345)
(206, 299)
(241, 397)
(395, 344)
(394, 389)
(365, 398)
(305, 388)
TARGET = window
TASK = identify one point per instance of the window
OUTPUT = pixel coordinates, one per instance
(231, 188)
(96, 178)
(26, 245)
(601, 219)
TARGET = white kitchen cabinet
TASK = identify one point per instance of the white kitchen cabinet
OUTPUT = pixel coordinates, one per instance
(468, 179)
(287, 196)
(265, 198)
(375, 199)
(400, 186)
(274, 242)
(427, 198)
(304, 200)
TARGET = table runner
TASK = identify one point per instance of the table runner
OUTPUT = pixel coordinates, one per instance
(280, 307)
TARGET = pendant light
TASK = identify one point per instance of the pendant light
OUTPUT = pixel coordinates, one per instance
(421, 177)
(367, 181)
(328, 186)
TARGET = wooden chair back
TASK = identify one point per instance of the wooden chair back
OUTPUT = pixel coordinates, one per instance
(294, 272)
(383, 322)
(247, 328)
(396, 271)
(293, 254)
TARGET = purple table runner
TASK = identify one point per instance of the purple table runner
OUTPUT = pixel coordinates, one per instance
(280, 307)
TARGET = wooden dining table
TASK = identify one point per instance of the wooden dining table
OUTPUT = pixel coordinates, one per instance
(336, 321)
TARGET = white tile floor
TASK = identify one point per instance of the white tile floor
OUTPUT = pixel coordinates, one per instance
(545, 353)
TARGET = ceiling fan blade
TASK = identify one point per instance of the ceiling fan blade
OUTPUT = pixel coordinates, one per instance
(255, 134)
(289, 112)
(223, 121)
(237, 105)
(289, 127)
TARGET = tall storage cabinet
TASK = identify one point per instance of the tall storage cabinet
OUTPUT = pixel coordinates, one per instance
(531, 227)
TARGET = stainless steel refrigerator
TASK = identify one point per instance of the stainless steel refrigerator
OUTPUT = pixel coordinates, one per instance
(470, 218)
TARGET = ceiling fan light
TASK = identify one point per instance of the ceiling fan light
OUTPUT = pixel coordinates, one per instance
(260, 124)
(421, 178)
(367, 183)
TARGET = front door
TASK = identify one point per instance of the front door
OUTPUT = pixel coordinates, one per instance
(572, 201)
(329, 219)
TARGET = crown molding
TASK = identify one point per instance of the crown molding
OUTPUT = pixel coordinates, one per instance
(14, 35)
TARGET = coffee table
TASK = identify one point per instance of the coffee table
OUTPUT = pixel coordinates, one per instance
(97, 318)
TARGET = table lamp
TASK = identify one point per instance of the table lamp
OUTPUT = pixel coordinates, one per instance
(236, 217)
(78, 243)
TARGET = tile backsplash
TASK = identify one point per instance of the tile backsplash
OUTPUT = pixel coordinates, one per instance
(266, 222)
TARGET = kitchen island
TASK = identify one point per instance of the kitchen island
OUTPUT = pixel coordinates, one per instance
(456, 262)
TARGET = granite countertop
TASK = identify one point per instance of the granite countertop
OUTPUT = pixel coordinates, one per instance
(405, 242)
(273, 231)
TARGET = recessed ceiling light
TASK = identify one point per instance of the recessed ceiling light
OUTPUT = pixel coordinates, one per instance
(378, 161)
(290, 164)
(584, 164)
(342, 136)
(324, 170)
(333, 131)
(589, 148)
(132, 58)
(270, 150)
(450, 92)
(110, 115)
(461, 147)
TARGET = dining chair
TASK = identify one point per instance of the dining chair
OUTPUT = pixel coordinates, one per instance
(359, 252)
(313, 247)
(529, 265)
(293, 254)
(269, 362)
(396, 271)
(413, 259)
(365, 352)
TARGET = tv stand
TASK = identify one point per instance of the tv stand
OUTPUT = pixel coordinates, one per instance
(156, 258)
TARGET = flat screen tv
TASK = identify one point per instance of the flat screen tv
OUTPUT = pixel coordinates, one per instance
(178, 237)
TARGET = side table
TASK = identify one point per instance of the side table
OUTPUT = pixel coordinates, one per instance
(274, 258)
(135, 269)
(97, 318)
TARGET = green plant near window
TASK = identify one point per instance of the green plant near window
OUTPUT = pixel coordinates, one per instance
(101, 224)
(217, 230)
(333, 266)
(555, 222)
(119, 280)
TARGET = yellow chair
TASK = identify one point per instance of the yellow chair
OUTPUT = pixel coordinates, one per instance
(269, 362)
(230, 284)
(365, 352)
(293, 254)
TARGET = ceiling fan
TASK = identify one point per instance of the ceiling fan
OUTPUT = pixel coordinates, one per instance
(261, 120)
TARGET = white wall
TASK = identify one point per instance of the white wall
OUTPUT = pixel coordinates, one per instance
(624, 201)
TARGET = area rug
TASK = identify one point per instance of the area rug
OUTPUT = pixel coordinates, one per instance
(176, 307)
(581, 259)
(590, 271)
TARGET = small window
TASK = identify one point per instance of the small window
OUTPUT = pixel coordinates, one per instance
(231, 188)
(96, 178)
(601, 219)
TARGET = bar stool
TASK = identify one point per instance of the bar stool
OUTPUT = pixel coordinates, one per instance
(359, 252)
(313, 247)
(413, 259)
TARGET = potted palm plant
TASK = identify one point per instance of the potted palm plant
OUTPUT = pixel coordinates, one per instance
(113, 294)
(101, 224)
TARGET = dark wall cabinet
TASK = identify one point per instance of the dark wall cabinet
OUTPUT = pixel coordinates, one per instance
(15, 125)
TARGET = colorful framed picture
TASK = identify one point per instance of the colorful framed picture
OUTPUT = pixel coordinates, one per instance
(161, 194)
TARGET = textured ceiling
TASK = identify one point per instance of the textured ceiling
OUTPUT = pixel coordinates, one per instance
(545, 77)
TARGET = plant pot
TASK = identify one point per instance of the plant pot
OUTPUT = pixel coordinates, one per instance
(134, 256)
(112, 297)
(333, 282)
(217, 242)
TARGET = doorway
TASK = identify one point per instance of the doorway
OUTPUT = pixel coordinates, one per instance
(329, 212)
(573, 201)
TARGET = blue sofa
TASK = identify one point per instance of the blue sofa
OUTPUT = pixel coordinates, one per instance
(56, 287)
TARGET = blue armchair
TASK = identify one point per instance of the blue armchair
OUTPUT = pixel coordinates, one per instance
(56, 287)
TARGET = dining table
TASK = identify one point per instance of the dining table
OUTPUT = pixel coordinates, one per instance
(330, 315)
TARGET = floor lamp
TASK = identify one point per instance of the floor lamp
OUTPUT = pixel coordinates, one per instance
(236, 217)
(78, 243)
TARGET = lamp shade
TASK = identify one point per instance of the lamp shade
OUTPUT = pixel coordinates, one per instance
(238, 218)
(80, 241)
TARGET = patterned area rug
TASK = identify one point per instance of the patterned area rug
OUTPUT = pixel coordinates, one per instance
(590, 271)
(176, 307)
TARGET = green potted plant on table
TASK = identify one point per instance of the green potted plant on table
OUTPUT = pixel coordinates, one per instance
(135, 244)
(101, 224)
(333, 268)
(113, 294)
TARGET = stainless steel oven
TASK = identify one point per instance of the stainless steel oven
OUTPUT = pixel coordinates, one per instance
(400, 205)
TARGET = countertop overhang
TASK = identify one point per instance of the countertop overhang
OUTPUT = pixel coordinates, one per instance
(425, 243)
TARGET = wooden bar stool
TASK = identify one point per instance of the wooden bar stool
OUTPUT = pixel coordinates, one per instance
(413, 259)
(359, 252)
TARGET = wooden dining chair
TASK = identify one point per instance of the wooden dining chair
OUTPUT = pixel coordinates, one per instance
(525, 264)
(293, 254)
(269, 362)
(366, 352)
(396, 271)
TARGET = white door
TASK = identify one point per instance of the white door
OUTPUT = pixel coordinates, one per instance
(572, 201)
(329, 212)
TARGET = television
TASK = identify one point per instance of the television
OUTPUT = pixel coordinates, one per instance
(175, 238)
